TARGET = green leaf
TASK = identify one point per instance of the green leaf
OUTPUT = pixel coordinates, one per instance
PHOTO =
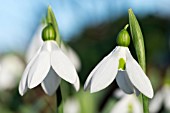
(51, 19)
(137, 38)
(138, 42)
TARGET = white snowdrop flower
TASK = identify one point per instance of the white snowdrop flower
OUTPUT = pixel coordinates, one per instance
(37, 42)
(127, 104)
(11, 68)
(162, 97)
(48, 66)
(121, 65)
(72, 105)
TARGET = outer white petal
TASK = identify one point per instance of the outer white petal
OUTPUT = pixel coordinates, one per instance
(166, 91)
(51, 82)
(156, 103)
(62, 65)
(39, 68)
(124, 83)
(88, 81)
(77, 84)
(137, 76)
(23, 82)
(106, 72)
(35, 44)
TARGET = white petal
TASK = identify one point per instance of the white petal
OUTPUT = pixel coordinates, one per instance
(124, 83)
(121, 106)
(72, 105)
(51, 82)
(77, 84)
(136, 105)
(62, 65)
(88, 81)
(166, 90)
(137, 76)
(118, 93)
(23, 82)
(127, 101)
(40, 68)
(106, 72)
(156, 103)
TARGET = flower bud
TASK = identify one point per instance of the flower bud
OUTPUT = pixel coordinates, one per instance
(48, 33)
(123, 38)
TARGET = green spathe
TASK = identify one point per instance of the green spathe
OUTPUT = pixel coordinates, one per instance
(123, 38)
(48, 33)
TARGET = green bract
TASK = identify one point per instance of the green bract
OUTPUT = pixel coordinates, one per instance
(123, 38)
(48, 33)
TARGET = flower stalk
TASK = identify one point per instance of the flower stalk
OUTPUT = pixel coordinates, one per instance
(138, 42)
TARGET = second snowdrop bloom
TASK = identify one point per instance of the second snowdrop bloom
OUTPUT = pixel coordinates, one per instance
(128, 104)
(161, 98)
(121, 65)
(48, 66)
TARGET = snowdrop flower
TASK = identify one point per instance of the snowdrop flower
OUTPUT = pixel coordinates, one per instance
(127, 104)
(38, 42)
(121, 65)
(11, 68)
(48, 66)
(160, 98)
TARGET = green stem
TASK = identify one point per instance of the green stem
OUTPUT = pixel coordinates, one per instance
(138, 42)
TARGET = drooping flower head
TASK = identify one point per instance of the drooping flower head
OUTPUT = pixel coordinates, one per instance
(48, 66)
(121, 65)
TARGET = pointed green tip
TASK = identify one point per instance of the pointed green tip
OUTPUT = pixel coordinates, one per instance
(127, 25)
(130, 10)
(49, 8)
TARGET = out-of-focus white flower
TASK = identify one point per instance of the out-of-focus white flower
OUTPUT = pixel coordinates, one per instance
(131, 79)
(127, 104)
(48, 66)
(162, 97)
(72, 105)
(37, 42)
(72, 56)
(11, 68)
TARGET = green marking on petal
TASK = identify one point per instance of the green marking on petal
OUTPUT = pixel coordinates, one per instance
(121, 64)
(130, 108)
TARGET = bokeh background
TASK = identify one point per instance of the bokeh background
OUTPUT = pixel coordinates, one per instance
(90, 28)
